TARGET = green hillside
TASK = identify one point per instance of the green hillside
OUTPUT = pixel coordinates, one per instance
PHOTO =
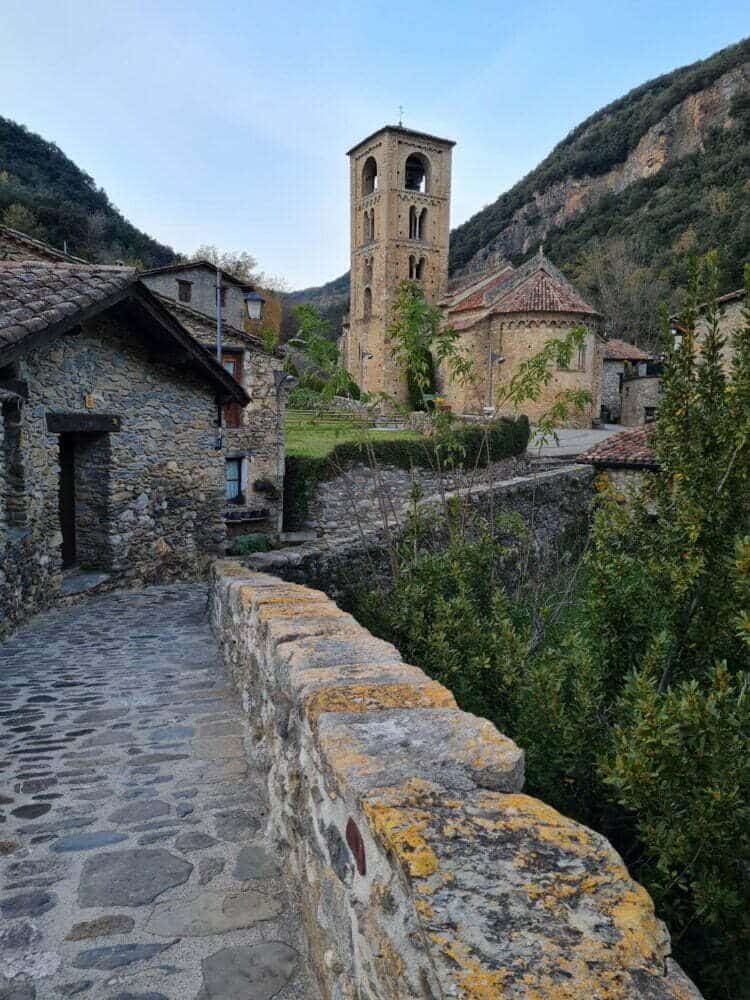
(45, 195)
(602, 141)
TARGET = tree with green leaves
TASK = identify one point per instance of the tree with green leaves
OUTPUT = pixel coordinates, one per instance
(421, 342)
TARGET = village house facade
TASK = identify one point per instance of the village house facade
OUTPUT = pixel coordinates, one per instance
(252, 436)
(109, 468)
(619, 358)
(400, 183)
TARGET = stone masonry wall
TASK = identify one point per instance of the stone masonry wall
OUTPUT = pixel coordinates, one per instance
(638, 393)
(149, 497)
(551, 504)
(424, 870)
(518, 338)
(613, 373)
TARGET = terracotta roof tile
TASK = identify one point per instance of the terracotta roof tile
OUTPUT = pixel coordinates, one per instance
(626, 448)
(538, 286)
(621, 350)
(36, 294)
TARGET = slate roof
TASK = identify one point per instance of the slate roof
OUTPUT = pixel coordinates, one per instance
(15, 245)
(40, 300)
(35, 295)
(208, 323)
(621, 350)
(626, 449)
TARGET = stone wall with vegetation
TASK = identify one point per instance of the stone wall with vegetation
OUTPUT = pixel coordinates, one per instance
(425, 871)
(552, 505)
(149, 496)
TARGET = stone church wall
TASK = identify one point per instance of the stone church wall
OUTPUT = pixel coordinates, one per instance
(425, 871)
(517, 339)
(149, 496)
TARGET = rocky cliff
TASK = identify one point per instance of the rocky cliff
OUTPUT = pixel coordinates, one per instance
(682, 131)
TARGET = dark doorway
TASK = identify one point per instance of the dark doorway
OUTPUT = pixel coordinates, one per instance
(68, 499)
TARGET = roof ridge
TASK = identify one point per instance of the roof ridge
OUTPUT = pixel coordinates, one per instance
(60, 265)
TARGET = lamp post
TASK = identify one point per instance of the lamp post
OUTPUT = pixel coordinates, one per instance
(492, 359)
(254, 304)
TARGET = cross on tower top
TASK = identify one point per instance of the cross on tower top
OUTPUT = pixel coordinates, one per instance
(400, 116)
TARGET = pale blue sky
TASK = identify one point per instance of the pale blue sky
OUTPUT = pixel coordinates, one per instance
(227, 122)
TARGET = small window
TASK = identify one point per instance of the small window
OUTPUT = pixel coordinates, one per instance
(233, 480)
(367, 304)
(223, 296)
(582, 356)
(649, 414)
(185, 291)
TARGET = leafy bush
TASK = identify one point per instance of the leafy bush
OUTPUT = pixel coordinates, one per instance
(244, 545)
(464, 444)
(631, 697)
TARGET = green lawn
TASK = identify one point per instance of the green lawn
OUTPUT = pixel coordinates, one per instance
(315, 437)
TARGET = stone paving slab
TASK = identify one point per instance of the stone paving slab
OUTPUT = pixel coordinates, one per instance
(133, 858)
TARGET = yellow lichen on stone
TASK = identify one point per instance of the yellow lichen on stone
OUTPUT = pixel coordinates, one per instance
(475, 982)
(400, 831)
(296, 610)
(373, 697)
(643, 935)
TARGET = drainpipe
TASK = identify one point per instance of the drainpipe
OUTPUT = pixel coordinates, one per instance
(283, 381)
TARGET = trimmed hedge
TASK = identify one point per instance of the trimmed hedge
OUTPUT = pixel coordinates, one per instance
(466, 445)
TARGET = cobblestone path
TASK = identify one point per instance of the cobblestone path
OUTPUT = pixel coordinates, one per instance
(132, 857)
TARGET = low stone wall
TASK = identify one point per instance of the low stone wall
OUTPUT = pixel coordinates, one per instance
(424, 871)
(549, 503)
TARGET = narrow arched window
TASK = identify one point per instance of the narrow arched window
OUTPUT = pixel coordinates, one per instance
(367, 304)
(412, 267)
(369, 176)
(367, 269)
(413, 223)
(421, 225)
(419, 269)
(372, 223)
(417, 173)
(366, 227)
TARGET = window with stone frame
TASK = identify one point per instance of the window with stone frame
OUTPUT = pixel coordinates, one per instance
(233, 480)
(184, 290)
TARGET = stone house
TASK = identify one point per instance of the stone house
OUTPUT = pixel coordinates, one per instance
(400, 187)
(624, 458)
(193, 284)
(504, 316)
(109, 468)
(618, 356)
(641, 392)
(731, 319)
(252, 437)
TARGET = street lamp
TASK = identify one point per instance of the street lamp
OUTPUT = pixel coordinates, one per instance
(254, 304)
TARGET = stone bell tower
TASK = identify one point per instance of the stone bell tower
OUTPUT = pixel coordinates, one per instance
(400, 208)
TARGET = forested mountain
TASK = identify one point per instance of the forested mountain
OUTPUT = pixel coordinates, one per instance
(623, 200)
(45, 195)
